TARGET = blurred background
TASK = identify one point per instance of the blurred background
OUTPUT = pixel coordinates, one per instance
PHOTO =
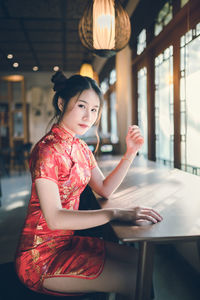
(151, 80)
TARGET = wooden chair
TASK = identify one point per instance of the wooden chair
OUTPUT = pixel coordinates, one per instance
(20, 156)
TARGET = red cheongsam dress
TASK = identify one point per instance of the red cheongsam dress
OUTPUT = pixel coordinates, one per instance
(42, 252)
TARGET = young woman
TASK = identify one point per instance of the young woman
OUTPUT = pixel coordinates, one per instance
(50, 258)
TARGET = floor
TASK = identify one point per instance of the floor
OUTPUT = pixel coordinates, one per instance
(174, 278)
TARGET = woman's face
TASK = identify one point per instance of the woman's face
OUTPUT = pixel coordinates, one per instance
(81, 114)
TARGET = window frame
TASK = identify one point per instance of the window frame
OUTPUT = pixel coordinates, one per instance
(183, 17)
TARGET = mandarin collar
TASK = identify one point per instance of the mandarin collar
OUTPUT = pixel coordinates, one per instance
(62, 132)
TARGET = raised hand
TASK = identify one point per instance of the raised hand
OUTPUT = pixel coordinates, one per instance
(134, 139)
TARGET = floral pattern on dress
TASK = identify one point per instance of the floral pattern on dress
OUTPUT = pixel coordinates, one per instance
(42, 252)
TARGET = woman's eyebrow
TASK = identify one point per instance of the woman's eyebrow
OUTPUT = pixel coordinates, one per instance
(86, 102)
(82, 101)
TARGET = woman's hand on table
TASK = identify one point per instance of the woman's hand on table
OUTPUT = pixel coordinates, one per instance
(138, 215)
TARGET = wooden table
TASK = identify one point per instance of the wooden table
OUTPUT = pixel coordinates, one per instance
(173, 193)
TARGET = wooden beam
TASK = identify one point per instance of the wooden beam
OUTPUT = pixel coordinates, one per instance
(151, 105)
(176, 79)
(134, 95)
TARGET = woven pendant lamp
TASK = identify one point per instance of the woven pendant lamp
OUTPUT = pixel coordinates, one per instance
(104, 27)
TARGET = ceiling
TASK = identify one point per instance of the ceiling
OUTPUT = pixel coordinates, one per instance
(42, 33)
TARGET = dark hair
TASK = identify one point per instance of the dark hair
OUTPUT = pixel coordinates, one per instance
(67, 88)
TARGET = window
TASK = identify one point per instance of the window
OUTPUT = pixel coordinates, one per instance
(104, 86)
(173, 139)
(113, 77)
(164, 115)
(164, 17)
(18, 126)
(141, 44)
(113, 116)
(142, 108)
(109, 112)
(104, 120)
(189, 100)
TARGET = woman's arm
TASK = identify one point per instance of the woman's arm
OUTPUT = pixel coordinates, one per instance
(106, 186)
(61, 218)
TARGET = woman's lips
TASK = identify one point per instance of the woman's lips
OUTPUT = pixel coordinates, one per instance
(83, 125)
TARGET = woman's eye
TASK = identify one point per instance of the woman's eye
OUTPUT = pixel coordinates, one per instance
(81, 105)
(94, 110)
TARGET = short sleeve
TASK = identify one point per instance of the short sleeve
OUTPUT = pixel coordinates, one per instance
(93, 162)
(43, 163)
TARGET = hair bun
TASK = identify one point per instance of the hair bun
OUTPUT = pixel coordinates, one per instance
(59, 81)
